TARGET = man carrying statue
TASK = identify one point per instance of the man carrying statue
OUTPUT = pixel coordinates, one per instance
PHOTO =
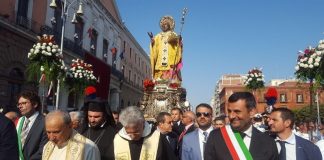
(166, 52)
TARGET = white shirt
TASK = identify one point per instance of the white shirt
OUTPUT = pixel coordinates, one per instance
(202, 139)
(247, 138)
(91, 152)
(320, 145)
(290, 146)
(31, 120)
(188, 126)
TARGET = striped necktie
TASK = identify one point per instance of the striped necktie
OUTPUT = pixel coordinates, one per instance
(24, 132)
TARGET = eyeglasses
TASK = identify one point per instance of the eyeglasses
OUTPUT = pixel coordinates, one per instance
(206, 114)
(22, 103)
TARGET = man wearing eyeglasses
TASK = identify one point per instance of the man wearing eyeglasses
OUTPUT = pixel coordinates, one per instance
(193, 144)
(30, 127)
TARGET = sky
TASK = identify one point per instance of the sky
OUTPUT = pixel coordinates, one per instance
(230, 36)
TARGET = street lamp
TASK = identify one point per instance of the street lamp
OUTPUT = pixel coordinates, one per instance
(64, 15)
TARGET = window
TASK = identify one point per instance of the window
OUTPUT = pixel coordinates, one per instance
(135, 58)
(105, 50)
(135, 79)
(57, 23)
(93, 42)
(15, 81)
(299, 98)
(121, 103)
(123, 70)
(283, 98)
(78, 35)
(129, 75)
(130, 53)
(22, 13)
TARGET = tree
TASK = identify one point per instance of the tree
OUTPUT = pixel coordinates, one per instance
(306, 114)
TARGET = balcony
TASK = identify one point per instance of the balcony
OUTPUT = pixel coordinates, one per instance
(67, 43)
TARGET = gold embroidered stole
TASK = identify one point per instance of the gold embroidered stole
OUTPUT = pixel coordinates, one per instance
(75, 148)
(148, 152)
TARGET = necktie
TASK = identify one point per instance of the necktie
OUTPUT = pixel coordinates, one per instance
(24, 132)
(205, 139)
(282, 154)
(182, 134)
(242, 135)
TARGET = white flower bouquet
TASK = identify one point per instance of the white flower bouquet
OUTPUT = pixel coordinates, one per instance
(45, 58)
(308, 62)
(80, 75)
(254, 79)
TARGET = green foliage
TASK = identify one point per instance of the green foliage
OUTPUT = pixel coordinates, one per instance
(306, 114)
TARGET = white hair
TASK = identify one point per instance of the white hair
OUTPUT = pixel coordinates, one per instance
(76, 115)
(131, 115)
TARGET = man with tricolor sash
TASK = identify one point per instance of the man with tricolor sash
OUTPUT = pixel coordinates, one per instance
(30, 127)
(240, 140)
(137, 140)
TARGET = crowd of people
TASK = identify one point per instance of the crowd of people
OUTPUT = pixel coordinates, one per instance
(97, 133)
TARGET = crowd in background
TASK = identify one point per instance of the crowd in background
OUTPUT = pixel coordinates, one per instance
(96, 132)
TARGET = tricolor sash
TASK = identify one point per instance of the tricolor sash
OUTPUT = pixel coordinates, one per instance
(19, 128)
(235, 144)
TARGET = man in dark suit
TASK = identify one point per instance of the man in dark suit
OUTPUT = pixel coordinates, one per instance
(31, 127)
(8, 139)
(289, 145)
(164, 125)
(231, 141)
(193, 143)
(176, 115)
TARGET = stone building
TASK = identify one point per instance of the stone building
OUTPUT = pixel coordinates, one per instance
(99, 37)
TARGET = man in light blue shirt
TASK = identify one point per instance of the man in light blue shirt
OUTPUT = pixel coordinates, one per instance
(194, 143)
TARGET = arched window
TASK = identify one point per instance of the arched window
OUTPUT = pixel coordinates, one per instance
(15, 81)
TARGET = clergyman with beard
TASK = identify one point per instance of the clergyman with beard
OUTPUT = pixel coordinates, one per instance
(100, 127)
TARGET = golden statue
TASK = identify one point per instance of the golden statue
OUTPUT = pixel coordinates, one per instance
(166, 52)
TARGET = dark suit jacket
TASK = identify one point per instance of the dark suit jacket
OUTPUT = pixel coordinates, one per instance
(173, 141)
(36, 139)
(262, 147)
(178, 128)
(8, 140)
(306, 150)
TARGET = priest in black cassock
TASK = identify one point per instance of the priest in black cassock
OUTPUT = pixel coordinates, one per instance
(138, 140)
(99, 127)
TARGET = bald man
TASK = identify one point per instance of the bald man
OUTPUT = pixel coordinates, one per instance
(188, 120)
(64, 142)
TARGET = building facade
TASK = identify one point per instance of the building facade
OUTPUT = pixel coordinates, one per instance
(99, 37)
(291, 93)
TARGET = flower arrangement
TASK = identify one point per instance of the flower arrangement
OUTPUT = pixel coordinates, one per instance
(254, 79)
(174, 85)
(271, 98)
(80, 75)
(148, 85)
(308, 62)
(45, 58)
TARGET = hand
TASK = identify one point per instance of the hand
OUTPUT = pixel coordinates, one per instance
(150, 34)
